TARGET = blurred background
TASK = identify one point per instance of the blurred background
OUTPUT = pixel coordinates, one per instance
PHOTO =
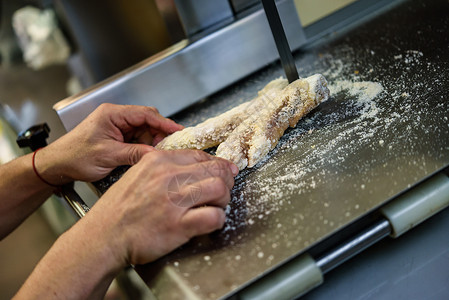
(95, 34)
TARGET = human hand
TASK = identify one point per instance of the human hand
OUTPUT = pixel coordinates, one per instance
(144, 216)
(102, 142)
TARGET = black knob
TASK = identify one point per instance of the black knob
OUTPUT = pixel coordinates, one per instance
(34, 137)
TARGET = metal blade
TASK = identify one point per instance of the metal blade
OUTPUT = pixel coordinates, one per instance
(280, 39)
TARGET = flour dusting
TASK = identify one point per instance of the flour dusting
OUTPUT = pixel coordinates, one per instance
(266, 194)
(360, 118)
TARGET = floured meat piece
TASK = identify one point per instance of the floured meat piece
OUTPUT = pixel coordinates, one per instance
(246, 133)
(257, 135)
(213, 131)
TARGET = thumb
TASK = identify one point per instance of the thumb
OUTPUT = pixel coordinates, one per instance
(130, 154)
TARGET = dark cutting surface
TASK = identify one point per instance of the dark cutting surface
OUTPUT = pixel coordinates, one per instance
(384, 129)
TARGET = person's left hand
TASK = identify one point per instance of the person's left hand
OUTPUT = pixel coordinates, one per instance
(110, 136)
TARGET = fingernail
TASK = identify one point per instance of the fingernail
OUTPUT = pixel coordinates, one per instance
(234, 169)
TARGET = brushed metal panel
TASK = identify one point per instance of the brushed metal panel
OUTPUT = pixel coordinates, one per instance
(191, 73)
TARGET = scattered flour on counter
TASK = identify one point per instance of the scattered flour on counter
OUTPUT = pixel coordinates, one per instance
(254, 195)
(412, 56)
(361, 116)
(364, 90)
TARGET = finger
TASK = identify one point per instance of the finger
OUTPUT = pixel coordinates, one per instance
(203, 220)
(185, 190)
(157, 122)
(187, 157)
(130, 154)
(214, 168)
(128, 117)
(158, 137)
(218, 166)
(154, 108)
(213, 192)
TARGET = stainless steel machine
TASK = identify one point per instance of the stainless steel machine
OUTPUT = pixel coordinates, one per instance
(369, 164)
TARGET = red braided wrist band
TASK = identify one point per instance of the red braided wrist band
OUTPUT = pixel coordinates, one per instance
(38, 175)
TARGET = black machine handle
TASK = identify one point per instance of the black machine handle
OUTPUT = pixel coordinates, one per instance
(34, 137)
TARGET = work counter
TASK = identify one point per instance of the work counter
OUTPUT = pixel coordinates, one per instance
(384, 131)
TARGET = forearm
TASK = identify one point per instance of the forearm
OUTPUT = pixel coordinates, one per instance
(21, 193)
(134, 222)
(80, 265)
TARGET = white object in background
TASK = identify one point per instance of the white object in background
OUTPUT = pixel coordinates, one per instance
(6, 151)
(41, 40)
(9, 150)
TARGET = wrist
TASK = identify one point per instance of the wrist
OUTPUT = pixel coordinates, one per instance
(96, 251)
(48, 168)
(97, 231)
(78, 266)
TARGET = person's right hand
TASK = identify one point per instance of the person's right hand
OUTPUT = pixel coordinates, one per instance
(161, 202)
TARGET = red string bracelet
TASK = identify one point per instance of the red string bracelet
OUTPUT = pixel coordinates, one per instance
(37, 173)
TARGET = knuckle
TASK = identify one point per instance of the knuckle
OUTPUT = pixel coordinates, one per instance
(217, 219)
(200, 155)
(219, 187)
(157, 155)
(216, 168)
(104, 106)
(210, 222)
(153, 109)
(221, 169)
(150, 158)
(133, 156)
